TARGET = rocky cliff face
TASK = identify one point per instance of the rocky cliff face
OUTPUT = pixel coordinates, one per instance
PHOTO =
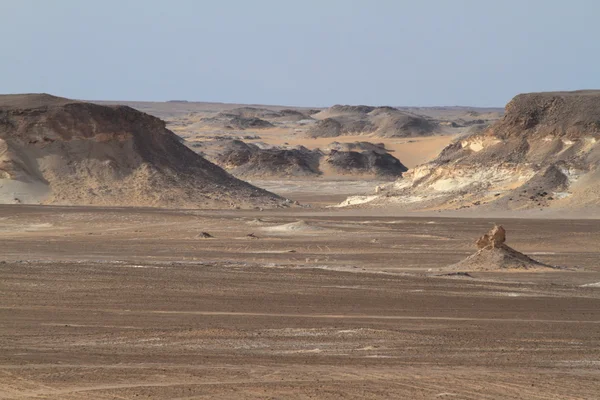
(544, 152)
(59, 151)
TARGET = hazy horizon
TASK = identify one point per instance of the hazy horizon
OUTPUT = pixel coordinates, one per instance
(318, 53)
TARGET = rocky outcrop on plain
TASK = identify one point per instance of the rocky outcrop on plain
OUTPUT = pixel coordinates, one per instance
(379, 121)
(59, 151)
(494, 255)
(286, 114)
(260, 160)
(228, 121)
(356, 146)
(367, 162)
(544, 152)
(249, 160)
(244, 118)
(493, 239)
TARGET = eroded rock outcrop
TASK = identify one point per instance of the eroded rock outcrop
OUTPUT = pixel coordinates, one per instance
(544, 152)
(493, 239)
(260, 160)
(379, 121)
(493, 254)
(60, 151)
(249, 160)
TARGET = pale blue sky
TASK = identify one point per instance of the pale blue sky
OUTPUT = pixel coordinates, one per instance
(303, 52)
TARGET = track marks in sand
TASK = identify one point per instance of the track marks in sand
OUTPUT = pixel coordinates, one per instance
(315, 316)
(419, 382)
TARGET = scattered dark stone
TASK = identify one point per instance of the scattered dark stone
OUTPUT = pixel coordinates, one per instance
(465, 274)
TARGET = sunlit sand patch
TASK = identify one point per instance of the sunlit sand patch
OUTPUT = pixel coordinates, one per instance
(595, 284)
(297, 227)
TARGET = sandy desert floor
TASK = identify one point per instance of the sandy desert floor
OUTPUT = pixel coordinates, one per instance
(131, 303)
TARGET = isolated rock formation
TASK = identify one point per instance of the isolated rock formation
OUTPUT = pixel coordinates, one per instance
(230, 121)
(365, 163)
(249, 160)
(59, 151)
(356, 146)
(259, 160)
(493, 239)
(269, 115)
(380, 121)
(544, 152)
(494, 254)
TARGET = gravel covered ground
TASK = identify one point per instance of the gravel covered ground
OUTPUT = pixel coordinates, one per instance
(131, 303)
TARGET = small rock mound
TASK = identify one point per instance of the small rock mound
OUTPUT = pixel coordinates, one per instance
(356, 146)
(494, 255)
(267, 114)
(230, 121)
(294, 227)
(380, 121)
(249, 160)
(366, 162)
(493, 239)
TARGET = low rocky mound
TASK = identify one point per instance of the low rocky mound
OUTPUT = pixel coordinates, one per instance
(356, 146)
(235, 121)
(59, 151)
(252, 112)
(293, 115)
(339, 110)
(259, 160)
(395, 123)
(366, 162)
(249, 160)
(494, 255)
(269, 115)
(544, 152)
(380, 121)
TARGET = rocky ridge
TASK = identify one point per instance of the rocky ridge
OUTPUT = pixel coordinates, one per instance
(378, 121)
(543, 153)
(259, 160)
(59, 151)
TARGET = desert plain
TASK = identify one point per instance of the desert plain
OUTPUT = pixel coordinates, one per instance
(138, 269)
(115, 303)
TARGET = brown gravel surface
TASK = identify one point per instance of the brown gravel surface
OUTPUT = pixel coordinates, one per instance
(129, 303)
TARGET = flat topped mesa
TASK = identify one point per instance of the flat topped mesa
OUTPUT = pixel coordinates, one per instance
(493, 255)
